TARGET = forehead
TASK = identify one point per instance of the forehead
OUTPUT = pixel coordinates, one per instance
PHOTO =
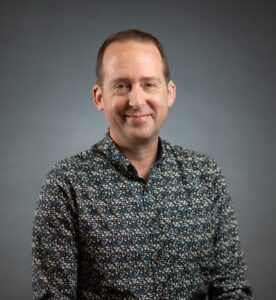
(133, 56)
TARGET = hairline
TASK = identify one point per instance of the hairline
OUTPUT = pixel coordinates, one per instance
(137, 36)
(134, 39)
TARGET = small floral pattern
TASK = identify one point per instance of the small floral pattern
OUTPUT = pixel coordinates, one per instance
(101, 232)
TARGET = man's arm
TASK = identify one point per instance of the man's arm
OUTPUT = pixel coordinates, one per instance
(228, 273)
(54, 246)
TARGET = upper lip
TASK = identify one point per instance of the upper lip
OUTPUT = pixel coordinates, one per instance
(137, 115)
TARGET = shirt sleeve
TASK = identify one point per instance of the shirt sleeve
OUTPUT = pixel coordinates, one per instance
(228, 280)
(54, 244)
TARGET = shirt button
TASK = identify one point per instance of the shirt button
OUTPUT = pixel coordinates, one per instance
(134, 204)
(157, 260)
(152, 223)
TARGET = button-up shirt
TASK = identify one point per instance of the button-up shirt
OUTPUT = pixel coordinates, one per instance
(101, 232)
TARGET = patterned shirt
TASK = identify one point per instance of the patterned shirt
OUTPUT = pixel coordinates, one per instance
(101, 232)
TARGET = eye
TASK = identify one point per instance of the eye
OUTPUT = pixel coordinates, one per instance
(149, 85)
(121, 88)
(121, 85)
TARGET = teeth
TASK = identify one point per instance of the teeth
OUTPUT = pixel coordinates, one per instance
(138, 116)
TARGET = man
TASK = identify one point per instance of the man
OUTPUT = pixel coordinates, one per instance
(135, 217)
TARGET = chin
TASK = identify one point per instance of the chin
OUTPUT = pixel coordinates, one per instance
(142, 136)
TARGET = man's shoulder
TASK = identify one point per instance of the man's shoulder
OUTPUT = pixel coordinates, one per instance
(71, 165)
(190, 158)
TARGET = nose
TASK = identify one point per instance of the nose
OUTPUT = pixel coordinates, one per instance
(136, 97)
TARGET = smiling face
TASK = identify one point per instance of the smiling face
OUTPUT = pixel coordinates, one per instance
(134, 94)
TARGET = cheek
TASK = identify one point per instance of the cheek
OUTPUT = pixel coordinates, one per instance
(160, 102)
(120, 104)
(115, 106)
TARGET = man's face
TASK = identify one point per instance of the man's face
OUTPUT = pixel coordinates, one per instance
(134, 95)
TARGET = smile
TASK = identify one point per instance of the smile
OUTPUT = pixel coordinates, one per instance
(138, 119)
(138, 116)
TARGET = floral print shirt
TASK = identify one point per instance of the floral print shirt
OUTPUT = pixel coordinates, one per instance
(101, 232)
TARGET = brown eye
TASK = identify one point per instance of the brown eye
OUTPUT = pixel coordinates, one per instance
(121, 88)
(148, 84)
(121, 85)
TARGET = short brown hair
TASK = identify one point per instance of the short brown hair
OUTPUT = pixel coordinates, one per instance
(135, 35)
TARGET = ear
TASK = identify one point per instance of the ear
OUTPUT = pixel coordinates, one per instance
(171, 93)
(98, 96)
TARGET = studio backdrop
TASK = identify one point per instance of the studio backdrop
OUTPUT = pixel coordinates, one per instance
(222, 59)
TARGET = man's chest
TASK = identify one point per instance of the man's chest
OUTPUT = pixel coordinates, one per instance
(130, 216)
(150, 234)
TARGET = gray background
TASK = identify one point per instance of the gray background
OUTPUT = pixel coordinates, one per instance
(222, 57)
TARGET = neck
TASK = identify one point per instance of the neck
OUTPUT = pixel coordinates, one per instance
(141, 155)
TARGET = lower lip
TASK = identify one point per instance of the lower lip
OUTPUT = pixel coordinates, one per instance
(138, 118)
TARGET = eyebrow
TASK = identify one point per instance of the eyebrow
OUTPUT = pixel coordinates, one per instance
(151, 79)
(119, 79)
(125, 79)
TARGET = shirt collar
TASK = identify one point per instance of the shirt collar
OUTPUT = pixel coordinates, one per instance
(108, 148)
